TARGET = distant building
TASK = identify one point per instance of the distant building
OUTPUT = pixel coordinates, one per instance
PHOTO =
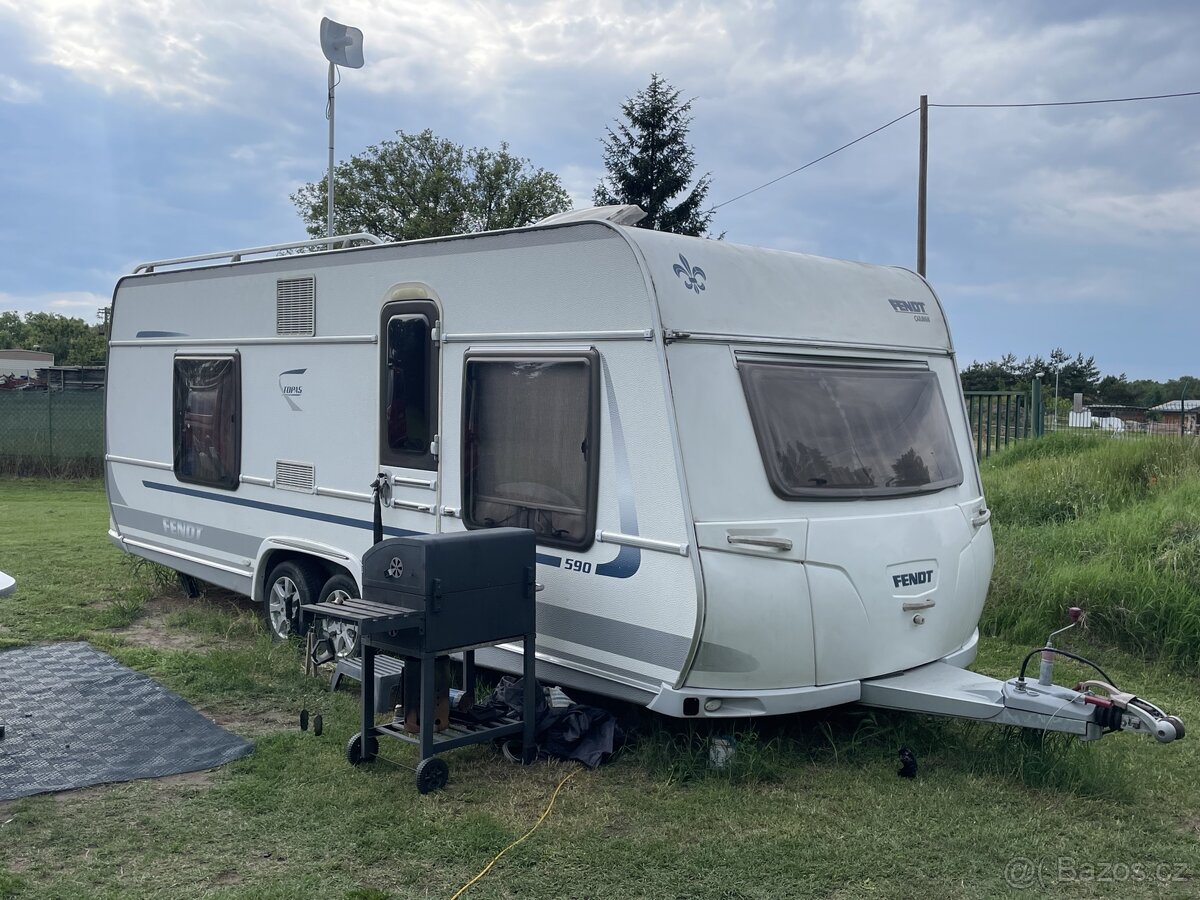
(72, 378)
(1169, 414)
(1109, 417)
(23, 363)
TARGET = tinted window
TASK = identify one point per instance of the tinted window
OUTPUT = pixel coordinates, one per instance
(408, 389)
(208, 428)
(835, 432)
(531, 445)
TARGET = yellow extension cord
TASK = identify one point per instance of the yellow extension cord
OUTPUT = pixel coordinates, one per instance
(495, 859)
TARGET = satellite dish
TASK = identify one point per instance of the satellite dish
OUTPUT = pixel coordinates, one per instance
(341, 44)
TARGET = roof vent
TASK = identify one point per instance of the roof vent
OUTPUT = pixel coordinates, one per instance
(294, 476)
(296, 306)
(618, 214)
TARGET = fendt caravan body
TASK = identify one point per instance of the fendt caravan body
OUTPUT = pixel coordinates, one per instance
(749, 471)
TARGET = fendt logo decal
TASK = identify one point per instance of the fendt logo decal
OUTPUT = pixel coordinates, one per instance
(291, 387)
(914, 307)
(693, 276)
(907, 579)
(183, 530)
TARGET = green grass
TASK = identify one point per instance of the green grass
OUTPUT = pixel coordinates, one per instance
(1112, 526)
(809, 807)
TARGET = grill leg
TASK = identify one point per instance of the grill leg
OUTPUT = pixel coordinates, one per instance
(368, 699)
(529, 716)
(428, 701)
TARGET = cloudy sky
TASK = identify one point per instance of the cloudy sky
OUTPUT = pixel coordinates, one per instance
(142, 129)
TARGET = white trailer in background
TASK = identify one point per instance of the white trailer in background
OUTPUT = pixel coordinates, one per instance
(749, 471)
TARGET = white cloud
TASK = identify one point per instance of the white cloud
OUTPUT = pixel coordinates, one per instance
(17, 92)
(75, 304)
(155, 46)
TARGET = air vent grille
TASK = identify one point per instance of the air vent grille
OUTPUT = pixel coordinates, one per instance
(294, 476)
(296, 306)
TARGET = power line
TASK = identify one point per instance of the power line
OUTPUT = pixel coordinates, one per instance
(1063, 102)
(954, 106)
(819, 158)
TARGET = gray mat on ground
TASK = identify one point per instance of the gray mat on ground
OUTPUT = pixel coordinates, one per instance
(74, 716)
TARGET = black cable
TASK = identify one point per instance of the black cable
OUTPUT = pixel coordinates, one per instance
(818, 159)
(1063, 102)
(952, 106)
(1069, 655)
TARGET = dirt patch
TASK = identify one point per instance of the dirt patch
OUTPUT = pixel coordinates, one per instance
(252, 723)
(202, 778)
(151, 628)
(171, 783)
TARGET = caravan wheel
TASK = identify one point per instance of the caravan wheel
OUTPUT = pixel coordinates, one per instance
(342, 635)
(290, 585)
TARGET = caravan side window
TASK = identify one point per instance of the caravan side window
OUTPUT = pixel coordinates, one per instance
(531, 442)
(208, 420)
(408, 392)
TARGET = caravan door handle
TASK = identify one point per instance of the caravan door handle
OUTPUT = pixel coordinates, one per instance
(982, 517)
(756, 540)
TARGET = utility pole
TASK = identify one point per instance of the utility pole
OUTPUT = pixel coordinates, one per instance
(922, 177)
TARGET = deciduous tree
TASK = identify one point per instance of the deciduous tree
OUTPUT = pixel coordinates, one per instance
(421, 185)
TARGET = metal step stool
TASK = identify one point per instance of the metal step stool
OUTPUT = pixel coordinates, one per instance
(389, 671)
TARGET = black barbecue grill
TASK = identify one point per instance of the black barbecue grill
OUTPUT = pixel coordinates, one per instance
(424, 597)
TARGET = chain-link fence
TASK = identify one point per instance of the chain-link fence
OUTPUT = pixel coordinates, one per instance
(50, 432)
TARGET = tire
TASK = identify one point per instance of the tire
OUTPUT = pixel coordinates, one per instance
(354, 749)
(432, 774)
(290, 585)
(343, 636)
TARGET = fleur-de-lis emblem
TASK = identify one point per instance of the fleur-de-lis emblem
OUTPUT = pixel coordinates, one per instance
(693, 277)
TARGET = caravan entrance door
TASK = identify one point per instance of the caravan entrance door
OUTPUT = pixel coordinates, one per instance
(409, 415)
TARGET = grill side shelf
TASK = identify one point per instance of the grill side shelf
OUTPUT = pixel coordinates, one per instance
(370, 617)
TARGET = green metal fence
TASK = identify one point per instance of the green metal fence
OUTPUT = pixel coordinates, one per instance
(52, 432)
(997, 418)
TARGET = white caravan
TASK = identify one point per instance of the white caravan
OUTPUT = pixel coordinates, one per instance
(749, 471)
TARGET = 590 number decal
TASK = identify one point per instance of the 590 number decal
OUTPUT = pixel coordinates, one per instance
(577, 565)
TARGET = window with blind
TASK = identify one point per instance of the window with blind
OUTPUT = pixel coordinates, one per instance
(531, 443)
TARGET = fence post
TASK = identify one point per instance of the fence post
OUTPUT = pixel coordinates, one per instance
(49, 425)
(1039, 416)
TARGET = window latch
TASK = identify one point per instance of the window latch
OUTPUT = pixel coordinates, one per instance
(435, 445)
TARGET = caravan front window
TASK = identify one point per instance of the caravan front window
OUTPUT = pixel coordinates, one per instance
(842, 432)
(207, 434)
(531, 444)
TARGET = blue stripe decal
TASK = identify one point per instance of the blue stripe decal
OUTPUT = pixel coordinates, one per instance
(159, 334)
(628, 559)
(276, 508)
(547, 560)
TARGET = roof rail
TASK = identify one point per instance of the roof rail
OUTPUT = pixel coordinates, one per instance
(236, 255)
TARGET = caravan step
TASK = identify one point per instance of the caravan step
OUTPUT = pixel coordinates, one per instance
(389, 671)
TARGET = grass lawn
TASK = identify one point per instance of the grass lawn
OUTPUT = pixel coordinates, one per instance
(812, 808)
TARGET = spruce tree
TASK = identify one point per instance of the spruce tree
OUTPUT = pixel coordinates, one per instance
(650, 162)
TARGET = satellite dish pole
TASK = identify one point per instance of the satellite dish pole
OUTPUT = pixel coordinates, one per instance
(342, 46)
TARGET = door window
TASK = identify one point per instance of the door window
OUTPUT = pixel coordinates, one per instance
(207, 433)
(408, 390)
